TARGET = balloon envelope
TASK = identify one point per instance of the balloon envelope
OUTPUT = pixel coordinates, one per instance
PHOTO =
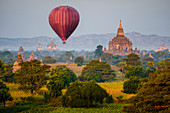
(64, 20)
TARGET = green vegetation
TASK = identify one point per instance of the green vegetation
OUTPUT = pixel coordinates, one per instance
(84, 95)
(79, 61)
(32, 75)
(60, 77)
(49, 60)
(98, 71)
(153, 96)
(130, 86)
(98, 52)
(4, 93)
(136, 71)
(132, 59)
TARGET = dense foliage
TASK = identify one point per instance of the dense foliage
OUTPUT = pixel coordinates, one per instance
(79, 61)
(32, 75)
(6, 74)
(84, 94)
(98, 52)
(153, 96)
(98, 71)
(132, 59)
(49, 60)
(137, 71)
(60, 77)
(4, 93)
(130, 86)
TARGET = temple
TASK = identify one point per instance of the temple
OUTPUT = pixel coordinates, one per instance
(21, 49)
(16, 63)
(121, 45)
(39, 48)
(163, 48)
(51, 45)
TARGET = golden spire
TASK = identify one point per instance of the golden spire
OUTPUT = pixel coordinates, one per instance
(120, 26)
(19, 53)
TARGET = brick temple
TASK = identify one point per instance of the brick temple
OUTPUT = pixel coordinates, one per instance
(121, 45)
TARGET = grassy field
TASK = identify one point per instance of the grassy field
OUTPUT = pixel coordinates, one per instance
(114, 88)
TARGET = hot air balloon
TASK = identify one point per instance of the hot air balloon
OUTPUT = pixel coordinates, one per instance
(64, 20)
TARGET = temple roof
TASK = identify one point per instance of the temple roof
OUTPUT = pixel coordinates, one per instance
(52, 44)
(19, 58)
(120, 29)
(21, 49)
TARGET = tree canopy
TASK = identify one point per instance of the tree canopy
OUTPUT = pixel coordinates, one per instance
(98, 52)
(83, 94)
(132, 59)
(49, 60)
(98, 71)
(137, 71)
(4, 93)
(32, 75)
(60, 77)
(153, 96)
(79, 60)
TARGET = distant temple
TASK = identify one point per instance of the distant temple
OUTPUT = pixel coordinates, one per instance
(21, 49)
(32, 56)
(121, 45)
(163, 48)
(150, 55)
(51, 46)
(16, 63)
(39, 48)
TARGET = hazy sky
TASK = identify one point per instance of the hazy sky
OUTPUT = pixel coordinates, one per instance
(29, 18)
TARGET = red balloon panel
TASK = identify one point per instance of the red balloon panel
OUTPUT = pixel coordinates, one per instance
(64, 20)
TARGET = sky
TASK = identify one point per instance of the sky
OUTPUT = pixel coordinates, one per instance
(29, 18)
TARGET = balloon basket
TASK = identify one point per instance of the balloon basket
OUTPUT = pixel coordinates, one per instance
(64, 43)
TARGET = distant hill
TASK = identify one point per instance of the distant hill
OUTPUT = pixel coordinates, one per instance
(85, 42)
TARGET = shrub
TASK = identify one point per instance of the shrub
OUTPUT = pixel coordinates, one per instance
(130, 86)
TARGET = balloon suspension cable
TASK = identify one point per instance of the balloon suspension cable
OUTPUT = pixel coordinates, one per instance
(64, 43)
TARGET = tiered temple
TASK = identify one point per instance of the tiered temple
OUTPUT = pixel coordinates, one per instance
(16, 63)
(163, 48)
(51, 45)
(121, 45)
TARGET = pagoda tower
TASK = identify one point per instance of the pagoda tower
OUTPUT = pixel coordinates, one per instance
(16, 63)
(120, 45)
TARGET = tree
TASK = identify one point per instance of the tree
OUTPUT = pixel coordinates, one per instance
(98, 52)
(137, 71)
(98, 71)
(107, 57)
(6, 72)
(32, 75)
(79, 61)
(146, 60)
(151, 64)
(153, 96)
(67, 57)
(84, 94)
(49, 60)
(60, 77)
(130, 86)
(4, 93)
(123, 65)
(161, 65)
(132, 59)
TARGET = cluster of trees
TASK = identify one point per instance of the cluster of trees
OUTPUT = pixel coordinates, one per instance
(85, 94)
(153, 95)
(98, 71)
(49, 60)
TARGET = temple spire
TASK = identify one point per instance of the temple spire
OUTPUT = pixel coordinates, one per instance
(163, 45)
(120, 26)
(19, 53)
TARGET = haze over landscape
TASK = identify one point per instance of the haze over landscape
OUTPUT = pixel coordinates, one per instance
(27, 19)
